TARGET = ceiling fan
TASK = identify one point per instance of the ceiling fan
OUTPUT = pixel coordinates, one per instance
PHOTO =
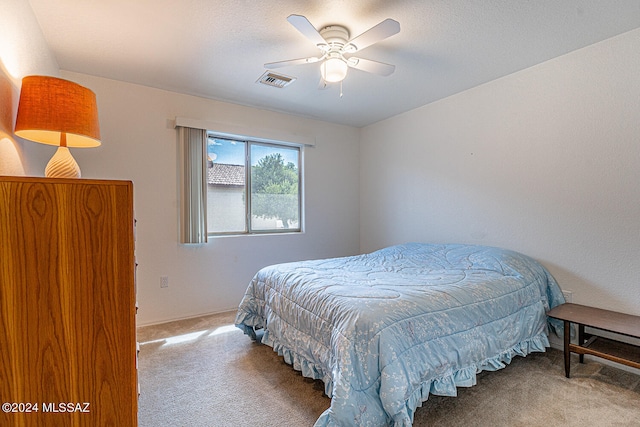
(335, 47)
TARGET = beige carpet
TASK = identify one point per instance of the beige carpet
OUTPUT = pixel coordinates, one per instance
(204, 372)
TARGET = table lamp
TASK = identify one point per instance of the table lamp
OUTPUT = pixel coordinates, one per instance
(58, 112)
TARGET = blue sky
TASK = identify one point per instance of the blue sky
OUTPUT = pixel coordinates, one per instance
(232, 152)
(225, 151)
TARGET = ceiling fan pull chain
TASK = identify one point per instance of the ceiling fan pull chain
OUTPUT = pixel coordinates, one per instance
(340, 88)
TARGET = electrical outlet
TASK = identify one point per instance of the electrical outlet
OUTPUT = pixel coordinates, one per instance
(164, 281)
(568, 296)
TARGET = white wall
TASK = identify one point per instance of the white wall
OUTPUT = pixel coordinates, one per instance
(545, 161)
(139, 144)
(23, 51)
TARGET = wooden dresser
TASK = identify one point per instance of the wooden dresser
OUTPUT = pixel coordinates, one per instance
(67, 303)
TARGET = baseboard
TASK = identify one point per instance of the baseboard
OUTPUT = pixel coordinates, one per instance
(176, 319)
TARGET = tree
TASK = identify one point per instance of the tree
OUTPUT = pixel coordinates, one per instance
(274, 189)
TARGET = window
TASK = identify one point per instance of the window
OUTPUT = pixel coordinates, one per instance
(268, 173)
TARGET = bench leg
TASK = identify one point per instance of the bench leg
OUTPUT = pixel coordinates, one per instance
(567, 353)
(581, 340)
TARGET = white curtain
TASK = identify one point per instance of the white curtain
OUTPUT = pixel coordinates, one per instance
(193, 185)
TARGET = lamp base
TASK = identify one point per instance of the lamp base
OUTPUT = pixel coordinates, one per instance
(62, 165)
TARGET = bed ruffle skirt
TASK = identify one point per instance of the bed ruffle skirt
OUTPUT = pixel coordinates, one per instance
(403, 415)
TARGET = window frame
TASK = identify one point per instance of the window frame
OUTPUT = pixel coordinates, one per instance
(249, 142)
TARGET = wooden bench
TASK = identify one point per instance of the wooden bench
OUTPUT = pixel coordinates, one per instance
(590, 343)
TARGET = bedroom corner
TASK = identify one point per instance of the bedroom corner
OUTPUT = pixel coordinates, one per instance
(23, 51)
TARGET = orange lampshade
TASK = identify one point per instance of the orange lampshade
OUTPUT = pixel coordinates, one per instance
(57, 112)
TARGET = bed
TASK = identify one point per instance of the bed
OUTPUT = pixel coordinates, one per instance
(384, 330)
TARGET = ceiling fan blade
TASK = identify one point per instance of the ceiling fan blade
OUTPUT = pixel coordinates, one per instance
(375, 67)
(303, 25)
(379, 32)
(279, 64)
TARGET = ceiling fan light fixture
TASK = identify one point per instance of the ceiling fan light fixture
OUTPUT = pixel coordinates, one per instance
(334, 42)
(334, 70)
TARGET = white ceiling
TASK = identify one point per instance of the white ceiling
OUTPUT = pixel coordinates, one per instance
(217, 48)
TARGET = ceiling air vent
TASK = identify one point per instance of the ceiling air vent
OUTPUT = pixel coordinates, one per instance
(275, 80)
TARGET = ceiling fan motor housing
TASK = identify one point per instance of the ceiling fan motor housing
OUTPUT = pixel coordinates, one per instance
(336, 37)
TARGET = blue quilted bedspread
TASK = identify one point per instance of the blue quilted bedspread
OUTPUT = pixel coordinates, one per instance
(386, 329)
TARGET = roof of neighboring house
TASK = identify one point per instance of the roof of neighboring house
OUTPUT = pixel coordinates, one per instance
(223, 174)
